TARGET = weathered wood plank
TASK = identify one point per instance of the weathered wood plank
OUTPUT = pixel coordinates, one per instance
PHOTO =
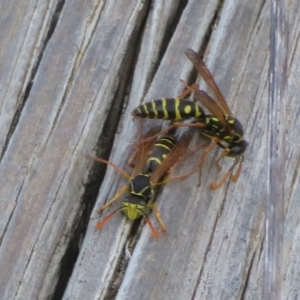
(44, 166)
(291, 242)
(101, 251)
(23, 31)
(215, 241)
(142, 278)
(215, 236)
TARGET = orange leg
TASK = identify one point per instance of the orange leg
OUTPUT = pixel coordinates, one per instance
(118, 169)
(224, 154)
(188, 90)
(131, 159)
(100, 225)
(116, 197)
(158, 216)
(235, 177)
(154, 232)
(182, 176)
(174, 125)
(154, 136)
(190, 153)
(185, 175)
(203, 157)
(195, 124)
(216, 185)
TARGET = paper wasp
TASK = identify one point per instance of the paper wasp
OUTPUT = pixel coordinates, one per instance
(220, 126)
(151, 162)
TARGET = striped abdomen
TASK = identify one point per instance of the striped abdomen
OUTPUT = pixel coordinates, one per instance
(173, 109)
(160, 151)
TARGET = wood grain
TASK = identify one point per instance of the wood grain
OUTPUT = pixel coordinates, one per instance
(71, 74)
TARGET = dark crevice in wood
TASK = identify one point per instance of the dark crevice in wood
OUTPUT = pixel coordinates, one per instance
(11, 214)
(97, 172)
(136, 46)
(211, 27)
(122, 264)
(259, 14)
(24, 97)
(261, 246)
(82, 48)
(169, 32)
(107, 137)
(171, 28)
(77, 59)
(118, 276)
(213, 23)
(247, 280)
(134, 236)
(208, 247)
(56, 15)
(197, 283)
(261, 249)
(68, 259)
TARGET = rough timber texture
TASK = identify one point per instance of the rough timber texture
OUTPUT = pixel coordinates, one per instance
(71, 73)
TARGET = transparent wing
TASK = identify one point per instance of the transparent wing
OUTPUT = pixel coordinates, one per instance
(207, 76)
(139, 158)
(211, 105)
(178, 152)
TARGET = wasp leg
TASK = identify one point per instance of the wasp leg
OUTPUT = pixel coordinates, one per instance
(100, 225)
(167, 129)
(195, 124)
(154, 136)
(185, 175)
(118, 169)
(169, 179)
(216, 185)
(158, 216)
(154, 232)
(203, 157)
(132, 157)
(235, 177)
(224, 154)
(116, 197)
(182, 176)
(188, 90)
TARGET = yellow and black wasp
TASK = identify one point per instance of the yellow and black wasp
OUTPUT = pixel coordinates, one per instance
(151, 162)
(220, 126)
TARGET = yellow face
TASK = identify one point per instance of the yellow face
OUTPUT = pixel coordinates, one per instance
(132, 211)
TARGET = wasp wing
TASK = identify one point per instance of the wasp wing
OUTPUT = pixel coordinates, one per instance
(211, 105)
(176, 155)
(144, 146)
(207, 76)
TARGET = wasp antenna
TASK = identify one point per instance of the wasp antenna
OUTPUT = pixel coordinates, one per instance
(118, 169)
(216, 185)
(159, 218)
(235, 177)
(154, 232)
(100, 225)
(116, 197)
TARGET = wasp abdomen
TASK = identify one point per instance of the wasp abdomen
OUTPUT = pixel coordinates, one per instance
(174, 109)
(160, 151)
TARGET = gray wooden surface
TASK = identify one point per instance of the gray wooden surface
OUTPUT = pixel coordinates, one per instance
(71, 73)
